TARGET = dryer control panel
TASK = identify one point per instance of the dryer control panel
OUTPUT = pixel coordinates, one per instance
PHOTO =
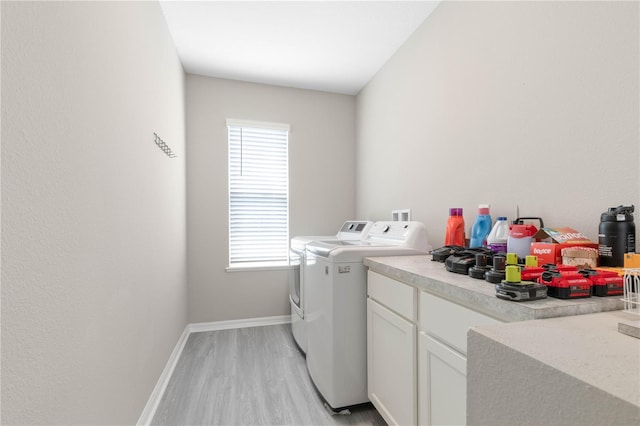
(354, 229)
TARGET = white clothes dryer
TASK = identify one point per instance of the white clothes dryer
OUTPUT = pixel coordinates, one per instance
(336, 311)
(350, 230)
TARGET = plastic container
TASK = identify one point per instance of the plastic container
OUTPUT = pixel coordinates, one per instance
(520, 238)
(454, 235)
(497, 238)
(481, 227)
(616, 236)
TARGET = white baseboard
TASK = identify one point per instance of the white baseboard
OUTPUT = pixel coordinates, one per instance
(242, 323)
(156, 395)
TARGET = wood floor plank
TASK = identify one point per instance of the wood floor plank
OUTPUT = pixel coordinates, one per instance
(247, 376)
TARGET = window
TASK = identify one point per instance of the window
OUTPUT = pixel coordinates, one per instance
(258, 194)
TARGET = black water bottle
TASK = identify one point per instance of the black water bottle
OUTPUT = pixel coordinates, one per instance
(616, 236)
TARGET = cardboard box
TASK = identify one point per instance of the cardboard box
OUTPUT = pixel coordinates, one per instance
(580, 256)
(553, 240)
(632, 260)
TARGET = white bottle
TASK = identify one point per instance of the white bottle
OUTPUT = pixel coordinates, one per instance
(497, 238)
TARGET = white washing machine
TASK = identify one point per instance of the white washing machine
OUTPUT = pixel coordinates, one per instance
(336, 309)
(350, 230)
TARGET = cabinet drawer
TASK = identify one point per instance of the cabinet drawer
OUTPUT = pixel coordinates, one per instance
(448, 321)
(393, 294)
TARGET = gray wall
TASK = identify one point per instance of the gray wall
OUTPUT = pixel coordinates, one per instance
(322, 188)
(529, 104)
(93, 213)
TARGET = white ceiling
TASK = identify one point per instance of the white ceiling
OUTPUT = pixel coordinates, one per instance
(334, 46)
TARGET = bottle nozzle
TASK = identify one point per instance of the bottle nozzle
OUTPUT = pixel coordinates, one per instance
(621, 210)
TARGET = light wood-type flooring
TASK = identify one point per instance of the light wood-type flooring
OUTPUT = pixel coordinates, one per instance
(248, 376)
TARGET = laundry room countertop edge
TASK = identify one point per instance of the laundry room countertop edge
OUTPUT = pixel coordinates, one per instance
(424, 274)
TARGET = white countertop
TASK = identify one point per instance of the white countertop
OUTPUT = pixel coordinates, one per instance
(587, 347)
(423, 273)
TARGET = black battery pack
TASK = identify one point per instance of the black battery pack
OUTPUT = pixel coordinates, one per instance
(496, 274)
(461, 262)
(478, 270)
(441, 254)
(521, 292)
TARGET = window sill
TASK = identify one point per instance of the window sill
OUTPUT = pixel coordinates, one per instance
(258, 266)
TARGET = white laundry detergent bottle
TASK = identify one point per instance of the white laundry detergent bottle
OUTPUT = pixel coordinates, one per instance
(497, 238)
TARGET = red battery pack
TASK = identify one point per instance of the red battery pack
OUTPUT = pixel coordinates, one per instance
(559, 267)
(531, 273)
(604, 283)
(566, 285)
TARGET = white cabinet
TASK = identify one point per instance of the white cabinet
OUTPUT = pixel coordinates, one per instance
(391, 349)
(442, 362)
(417, 353)
(442, 383)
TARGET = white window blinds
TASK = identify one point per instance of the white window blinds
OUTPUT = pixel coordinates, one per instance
(258, 193)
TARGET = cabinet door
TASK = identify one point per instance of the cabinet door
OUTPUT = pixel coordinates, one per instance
(442, 383)
(391, 364)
